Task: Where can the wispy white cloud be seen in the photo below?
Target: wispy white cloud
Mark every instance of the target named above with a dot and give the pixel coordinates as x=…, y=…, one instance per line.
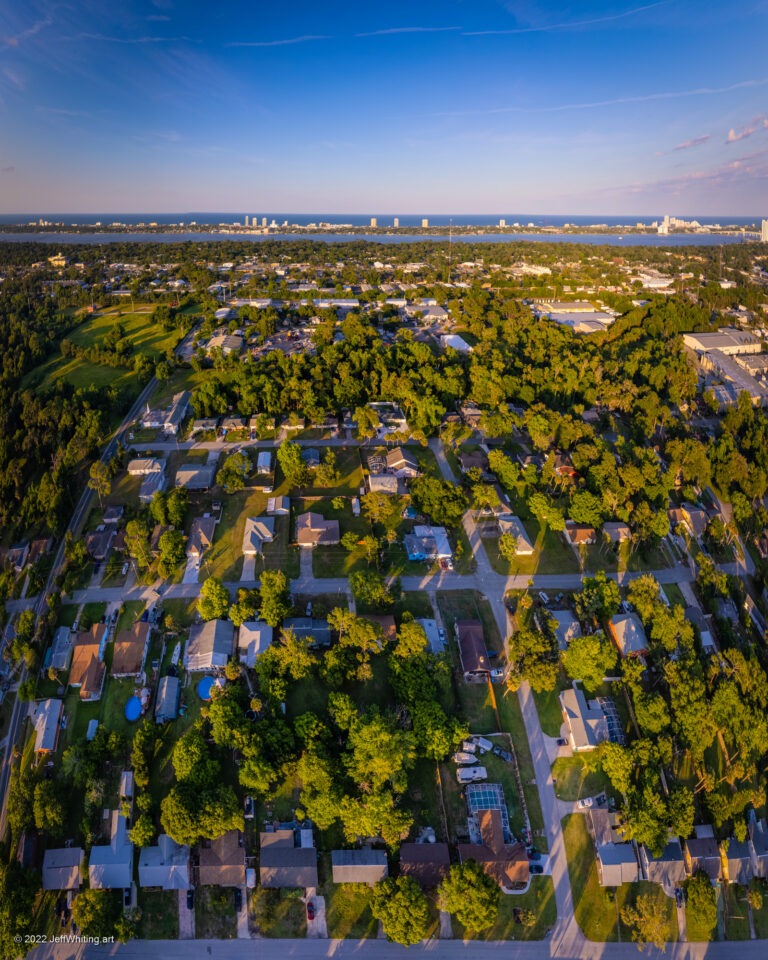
x=759, y=123
x=568, y=25
x=391, y=30
x=640, y=98
x=695, y=142
x=37, y=26
x=61, y=111
x=750, y=167
x=13, y=78
x=129, y=40
x=276, y=43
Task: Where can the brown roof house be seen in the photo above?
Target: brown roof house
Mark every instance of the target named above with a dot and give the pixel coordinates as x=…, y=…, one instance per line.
x=477, y=460
x=87, y=670
x=387, y=623
x=61, y=868
x=580, y=533
x=628, y=635
x=313, y=530
x=284, y=864
x=201, y=536
x=506, y=863
x=429, y=863
x=222, y=861
x=130, y=651
x=474, y=656
x=98, y=543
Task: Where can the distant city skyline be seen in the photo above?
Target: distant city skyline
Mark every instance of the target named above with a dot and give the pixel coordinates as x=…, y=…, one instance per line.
x=424, y=110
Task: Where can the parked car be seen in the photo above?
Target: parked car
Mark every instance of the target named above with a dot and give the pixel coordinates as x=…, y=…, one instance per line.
x=145, y=616
x=585, y=803
x=441, y=634
x=678, y=896
x=562, y=742
x=238, y=899
x=536, y=868
x=127, y=897
x=534, y=855
x=248, y=808
x=125, y=568
x=504, y=755
x=497, y=673
x=190, y=898
x=310, y=911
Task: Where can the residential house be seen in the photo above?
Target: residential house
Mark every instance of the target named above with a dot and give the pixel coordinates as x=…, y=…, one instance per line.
x=420, y=548
x=48, y=714
x=195, y=476
x=98, y=543
x=696, y=617
x=283, y=863
x=278, y=506
x=318, y=631
x=377, y=463
x=758, y=844
x=761, y=543
x=154, y=539
x=616, y=532
x=165, y=866
x=113, y=514
x=668, y=869
x=201, y=536
x=471, y=414
x=170, y=418
x=264, y=462
x=696, y=519
x=703, y=853
x=428, y=863
x=253, y=638
x=257, y=532
x=87, y=670
x=222, y=861
x=227, y=343
x=402, y=463
x=738, y=861
x=314, y=530
x=130, y=650
x=506, y=863
x=111, y=865
x=203, y=425
x=210, y=645
x=144, y=466
x=383, y=483
x=62, y=868
x=564, y=465
x=311, y=456
x=39, y=548
x=151, y=484
x=507, y=523
x=580, y=534
x=359, y=866
x=61, y=651
x=16, y=556
x=567, y=627
x=477, y=460
x=586, y=722
x=628, y=635
x=439, y=535
x=430, y=628
x=386, y=623
x=616, y=858
x=472, y=650
x=167, y=704
x=232, y=423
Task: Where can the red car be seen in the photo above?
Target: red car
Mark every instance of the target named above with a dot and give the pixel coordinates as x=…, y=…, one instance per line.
x=310, y=911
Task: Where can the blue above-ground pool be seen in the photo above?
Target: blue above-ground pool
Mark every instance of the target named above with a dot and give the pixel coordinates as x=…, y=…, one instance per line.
x=204, y=688
x=133, y=709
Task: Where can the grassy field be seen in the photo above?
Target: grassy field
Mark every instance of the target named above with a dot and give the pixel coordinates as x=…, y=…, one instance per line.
x=573, y=779
x=159, y=915
x=131, y=611
x=146, y=338
x=215, y=914
x=539, y=898
x=279, y=913
x=760, y=917
x=696, y=929
x=548, y=706
x=550, y=554
x=736, y=913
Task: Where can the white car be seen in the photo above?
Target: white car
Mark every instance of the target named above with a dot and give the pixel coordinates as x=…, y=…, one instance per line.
x=585, y=803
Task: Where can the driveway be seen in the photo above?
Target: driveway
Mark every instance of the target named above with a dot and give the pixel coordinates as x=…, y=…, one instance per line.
x=191, y=570
x=316, y=928
x=186, y=918
x=243, y=931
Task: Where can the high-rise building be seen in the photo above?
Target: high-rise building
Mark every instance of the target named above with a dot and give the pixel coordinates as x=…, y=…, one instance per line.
x=502, y=223
x=246, y=219
x=374, y=222
x=425, y=222
x=396, y=222
x=764, y=232
x=263, y=221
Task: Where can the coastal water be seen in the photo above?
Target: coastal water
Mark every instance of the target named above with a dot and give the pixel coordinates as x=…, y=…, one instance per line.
x=607, y=239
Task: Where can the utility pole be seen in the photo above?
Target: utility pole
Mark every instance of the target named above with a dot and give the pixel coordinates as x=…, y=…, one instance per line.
x=450, y=248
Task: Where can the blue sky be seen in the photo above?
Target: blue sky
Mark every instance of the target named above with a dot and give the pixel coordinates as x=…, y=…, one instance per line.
x=459, y=106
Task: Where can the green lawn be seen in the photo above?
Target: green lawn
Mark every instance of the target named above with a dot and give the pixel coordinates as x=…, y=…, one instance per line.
x=627, y=896
x=279, y=913
x=225, y=558
x=736, y=912
x=760, y=917
x=594, y=909
x=335, y=561
x=215, y=917
x=92, y=613
x=548, y=706
x=696, y=929
x=182, y=610
x=573, y=779
x=347, y=911
x=539, y=898
x=550, y=553
x=348, y=467
x=68, y=614
x=130, y=612
x=159, y=915
x=674, y=594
